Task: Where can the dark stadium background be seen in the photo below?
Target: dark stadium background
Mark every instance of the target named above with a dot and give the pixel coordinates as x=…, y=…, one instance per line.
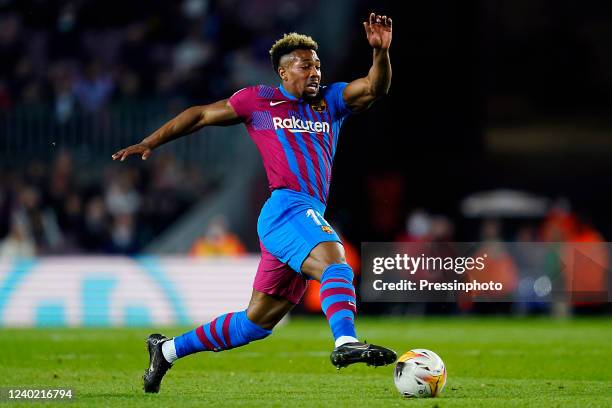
x=463, y=71
x=486, y=95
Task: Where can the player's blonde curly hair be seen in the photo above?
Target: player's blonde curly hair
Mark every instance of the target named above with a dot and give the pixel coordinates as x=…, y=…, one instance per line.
x=289, y=43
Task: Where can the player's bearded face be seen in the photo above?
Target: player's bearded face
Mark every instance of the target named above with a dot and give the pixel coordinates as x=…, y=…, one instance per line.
x=303, y=73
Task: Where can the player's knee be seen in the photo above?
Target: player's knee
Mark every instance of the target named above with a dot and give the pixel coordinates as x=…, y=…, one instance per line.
x=265, y=321
x=330, y=253
x=266, y=310
x=333, y=259
x=322, y=257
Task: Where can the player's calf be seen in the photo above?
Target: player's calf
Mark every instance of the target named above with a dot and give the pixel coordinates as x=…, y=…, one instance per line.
x=338, y=302
x=223, y=333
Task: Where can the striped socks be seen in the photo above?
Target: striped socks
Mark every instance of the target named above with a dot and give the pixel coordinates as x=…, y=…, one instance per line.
x=235, y=329
x=338, y=302
x=223, y=333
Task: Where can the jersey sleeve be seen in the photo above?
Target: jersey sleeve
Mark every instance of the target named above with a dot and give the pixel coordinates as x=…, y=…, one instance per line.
x=243, y=102
x=336, y=102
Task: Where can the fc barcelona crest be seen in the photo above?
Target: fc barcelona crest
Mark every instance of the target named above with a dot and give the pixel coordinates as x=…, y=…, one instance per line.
x=319, y=106
x=327, y=229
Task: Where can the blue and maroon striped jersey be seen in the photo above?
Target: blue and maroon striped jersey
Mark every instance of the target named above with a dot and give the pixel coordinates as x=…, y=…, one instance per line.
x=297, y=138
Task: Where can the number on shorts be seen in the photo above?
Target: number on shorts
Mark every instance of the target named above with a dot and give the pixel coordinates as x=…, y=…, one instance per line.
x=316, y=217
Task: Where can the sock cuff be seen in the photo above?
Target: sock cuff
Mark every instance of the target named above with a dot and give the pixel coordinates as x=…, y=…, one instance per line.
x=169, y=351
x=338, y=271
x=252, y=327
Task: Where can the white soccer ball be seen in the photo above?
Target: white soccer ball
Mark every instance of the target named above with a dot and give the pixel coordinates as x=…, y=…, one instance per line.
x=420, y=373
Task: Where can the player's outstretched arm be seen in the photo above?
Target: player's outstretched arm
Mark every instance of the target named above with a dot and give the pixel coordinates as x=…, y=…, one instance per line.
x=219, y=113
x=361, y=93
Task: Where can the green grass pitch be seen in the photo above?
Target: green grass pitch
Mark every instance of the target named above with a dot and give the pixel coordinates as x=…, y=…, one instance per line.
x=490, y=362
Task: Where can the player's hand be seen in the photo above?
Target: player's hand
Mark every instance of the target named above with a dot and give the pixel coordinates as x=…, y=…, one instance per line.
x=140, y=148
x=378, y=31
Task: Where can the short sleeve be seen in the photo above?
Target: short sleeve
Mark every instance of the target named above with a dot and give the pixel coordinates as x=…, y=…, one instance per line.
x=335, y=100
x=243, y=102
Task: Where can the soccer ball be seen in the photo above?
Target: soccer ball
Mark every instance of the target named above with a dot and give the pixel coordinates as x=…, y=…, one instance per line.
x=420, y=373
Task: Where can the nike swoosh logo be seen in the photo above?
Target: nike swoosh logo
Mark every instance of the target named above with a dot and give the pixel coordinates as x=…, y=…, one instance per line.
x=276, y=103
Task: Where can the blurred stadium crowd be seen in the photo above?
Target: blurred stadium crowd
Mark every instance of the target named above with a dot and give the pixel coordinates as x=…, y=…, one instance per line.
x=49, y=208
x=79, y=60
x=83, y=55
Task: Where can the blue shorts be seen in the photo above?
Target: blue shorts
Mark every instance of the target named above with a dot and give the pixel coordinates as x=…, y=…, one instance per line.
x=291, y=224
